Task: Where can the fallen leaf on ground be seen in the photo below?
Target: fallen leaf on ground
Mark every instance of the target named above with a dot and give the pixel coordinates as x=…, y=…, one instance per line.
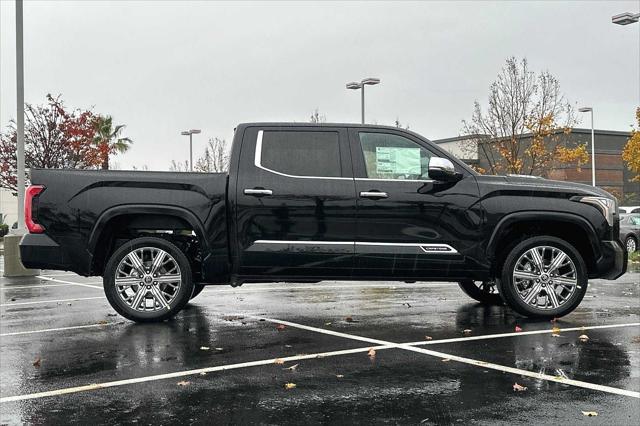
x=590, y=413
x=37, y=362
x=203, y=374
x=372, y=353
x=327, y=323
x=518, y=328
x=428, y=338
x=445, y=359
x=204, y=348
x=292, y=368
x=289, y=386
x=103, y=322
x=635, y=339
x=408, y=305
x=112, y=315
x=584, y=338
x=466, y=332
x=280, y=327
x=519, y=388
x=279, y=361
x=183, y=383
x=349, y=319
x=556, y=330
x=339, y=376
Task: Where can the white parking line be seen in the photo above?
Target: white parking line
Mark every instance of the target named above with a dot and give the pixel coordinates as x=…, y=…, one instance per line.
x=477, y=363
x=379, y=347
x=48, y=330
x=520, y=333
x=38, y=302
x=96, y=386
x=23, y=287
x=71, y=282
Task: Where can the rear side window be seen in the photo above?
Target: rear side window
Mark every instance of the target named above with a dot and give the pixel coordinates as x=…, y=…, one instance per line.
x=301, y=153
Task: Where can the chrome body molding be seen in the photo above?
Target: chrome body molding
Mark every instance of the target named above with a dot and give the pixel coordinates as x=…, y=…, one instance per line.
x=351, y=247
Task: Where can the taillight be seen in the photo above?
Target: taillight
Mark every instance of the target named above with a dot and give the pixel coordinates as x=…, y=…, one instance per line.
x=29, y=195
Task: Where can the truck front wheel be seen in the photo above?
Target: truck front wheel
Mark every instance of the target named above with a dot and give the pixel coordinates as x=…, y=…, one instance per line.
x=148, y=280
x=543, y=277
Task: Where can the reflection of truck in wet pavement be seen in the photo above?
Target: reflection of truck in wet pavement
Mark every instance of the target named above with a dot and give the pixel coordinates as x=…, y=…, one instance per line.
x=308, y=202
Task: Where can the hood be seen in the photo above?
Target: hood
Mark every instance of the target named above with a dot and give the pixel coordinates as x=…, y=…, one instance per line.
x=532, y=183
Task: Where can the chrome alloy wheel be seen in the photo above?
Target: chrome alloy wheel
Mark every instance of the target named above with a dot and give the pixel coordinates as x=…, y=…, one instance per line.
x=631, y=245
x=148, y=279
x=545, y=277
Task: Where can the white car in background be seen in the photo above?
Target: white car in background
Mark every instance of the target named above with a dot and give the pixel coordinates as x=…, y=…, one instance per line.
x=629, y=209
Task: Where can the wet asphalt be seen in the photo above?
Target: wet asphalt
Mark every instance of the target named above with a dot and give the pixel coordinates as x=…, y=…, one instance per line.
x=60, y=335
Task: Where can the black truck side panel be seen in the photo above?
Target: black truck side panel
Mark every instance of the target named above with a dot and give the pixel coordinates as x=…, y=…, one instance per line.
x=77, y=204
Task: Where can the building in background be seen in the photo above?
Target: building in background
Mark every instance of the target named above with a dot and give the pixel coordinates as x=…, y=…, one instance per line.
x=8, y=206
x=611, y=172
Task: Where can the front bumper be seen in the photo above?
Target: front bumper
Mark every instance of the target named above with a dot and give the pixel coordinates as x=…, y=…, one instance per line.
x=38, y=251
x=613, y=262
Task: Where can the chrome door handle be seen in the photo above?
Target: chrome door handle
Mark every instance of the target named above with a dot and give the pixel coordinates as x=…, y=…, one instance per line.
x=258, y=192
x=374, y=194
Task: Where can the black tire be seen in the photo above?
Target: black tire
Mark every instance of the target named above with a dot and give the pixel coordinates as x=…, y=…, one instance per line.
x=483, y=291
x=515, y=300
x=179, y=298
x=631, y=244
x=197, y=289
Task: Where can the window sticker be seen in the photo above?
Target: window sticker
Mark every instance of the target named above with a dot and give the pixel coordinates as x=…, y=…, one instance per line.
x=404, y=161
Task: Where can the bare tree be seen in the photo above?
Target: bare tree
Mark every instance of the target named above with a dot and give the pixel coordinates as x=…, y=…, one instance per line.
x=179, y=166
x=215, y=158
x=316, y=117
x=521, y=103
x=399, y=125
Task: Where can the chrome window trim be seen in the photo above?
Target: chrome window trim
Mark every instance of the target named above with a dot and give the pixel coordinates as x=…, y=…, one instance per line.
x=257, y=161
x=350, y=243
x=397, y=180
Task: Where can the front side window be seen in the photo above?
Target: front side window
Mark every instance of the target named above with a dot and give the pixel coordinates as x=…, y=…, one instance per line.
x=301, y=153
x=389, y=156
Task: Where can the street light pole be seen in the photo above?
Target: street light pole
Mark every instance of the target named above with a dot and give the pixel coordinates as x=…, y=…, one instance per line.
x=354, y=85
x=190, y=133
x=20, y=114
x=593, y=146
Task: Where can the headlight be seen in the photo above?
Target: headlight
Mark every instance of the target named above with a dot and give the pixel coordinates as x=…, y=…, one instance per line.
x=607, y=206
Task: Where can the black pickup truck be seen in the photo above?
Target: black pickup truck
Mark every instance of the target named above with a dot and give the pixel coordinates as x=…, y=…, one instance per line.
x=309, y=202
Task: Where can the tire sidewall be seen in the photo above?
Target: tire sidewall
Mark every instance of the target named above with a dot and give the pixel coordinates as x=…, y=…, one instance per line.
x=509, y=293
x=181, y=299
x=471, y=289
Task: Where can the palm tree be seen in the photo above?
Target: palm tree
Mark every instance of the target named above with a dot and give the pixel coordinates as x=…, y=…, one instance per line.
x=108, y=139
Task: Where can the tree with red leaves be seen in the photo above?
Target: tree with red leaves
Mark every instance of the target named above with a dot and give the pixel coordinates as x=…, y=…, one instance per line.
x=54, y=138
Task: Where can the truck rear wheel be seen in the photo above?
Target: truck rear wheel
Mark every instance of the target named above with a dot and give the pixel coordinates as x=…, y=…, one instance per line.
x=483, y=291
x=543, y=277
x=148, y=280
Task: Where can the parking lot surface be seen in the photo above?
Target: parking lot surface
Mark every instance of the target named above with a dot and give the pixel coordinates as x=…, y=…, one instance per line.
x=332, y=352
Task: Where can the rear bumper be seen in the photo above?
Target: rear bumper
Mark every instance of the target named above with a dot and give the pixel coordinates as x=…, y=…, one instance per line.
x=38, y=251
x=613, y=262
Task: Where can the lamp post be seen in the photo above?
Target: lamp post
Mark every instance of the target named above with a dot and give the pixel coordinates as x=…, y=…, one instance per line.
x=593, y=146
x=625, y=18
x=354, y=85
x=20, y=115
x=190, y=133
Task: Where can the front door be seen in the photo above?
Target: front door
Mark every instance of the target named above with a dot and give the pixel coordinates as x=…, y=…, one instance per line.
x=409, y=226
x=295, y=203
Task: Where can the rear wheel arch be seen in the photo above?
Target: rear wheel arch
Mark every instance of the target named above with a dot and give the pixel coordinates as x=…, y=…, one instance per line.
x=127, y=221
x=518, y=226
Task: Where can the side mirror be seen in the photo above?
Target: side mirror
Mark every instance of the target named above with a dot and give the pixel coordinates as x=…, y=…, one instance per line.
x=442, y=169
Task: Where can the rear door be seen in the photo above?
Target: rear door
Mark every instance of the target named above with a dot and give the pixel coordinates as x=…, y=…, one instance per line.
x=408, y=224
x=295, y=202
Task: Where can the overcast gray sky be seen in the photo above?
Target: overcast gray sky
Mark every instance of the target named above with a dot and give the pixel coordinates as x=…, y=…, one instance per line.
x=163, y=67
